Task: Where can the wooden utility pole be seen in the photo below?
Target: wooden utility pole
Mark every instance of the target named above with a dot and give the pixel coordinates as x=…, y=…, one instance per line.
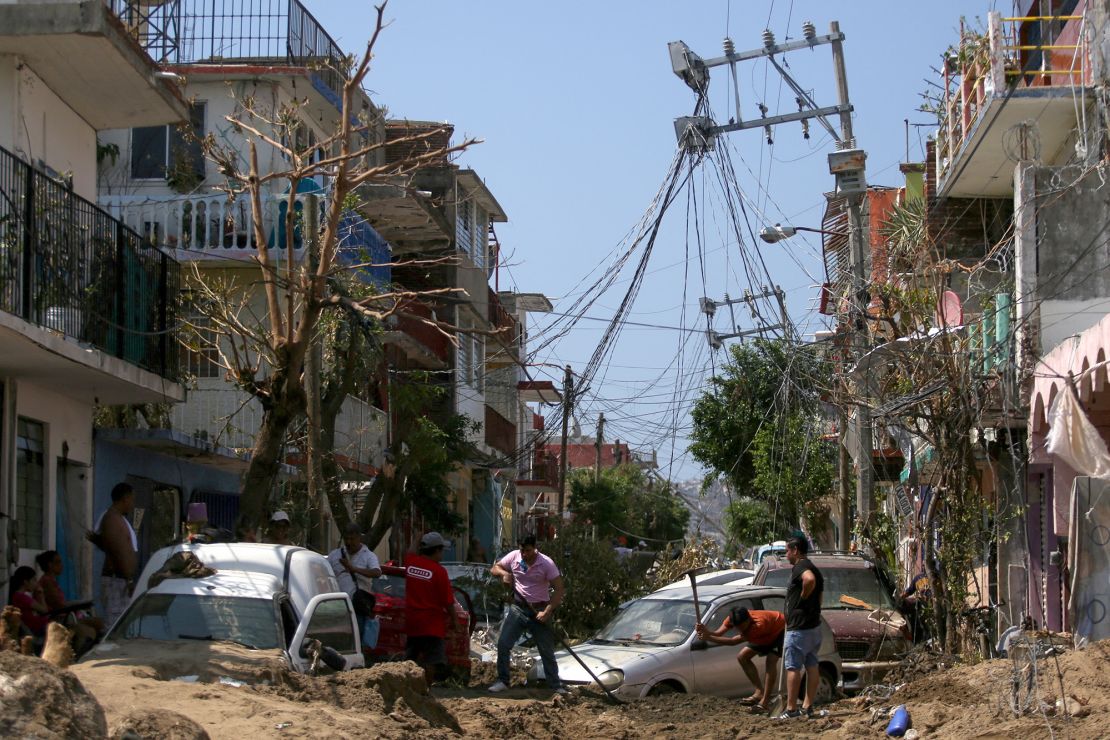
x=568, y=408
x=597, y=447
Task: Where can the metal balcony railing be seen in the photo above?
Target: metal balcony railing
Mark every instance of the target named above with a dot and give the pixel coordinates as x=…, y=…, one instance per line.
x=68, y=266
x=1019, y=52
x=234, y=32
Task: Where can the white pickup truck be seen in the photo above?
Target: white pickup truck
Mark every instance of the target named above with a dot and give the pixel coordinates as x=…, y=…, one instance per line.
x=263, y=597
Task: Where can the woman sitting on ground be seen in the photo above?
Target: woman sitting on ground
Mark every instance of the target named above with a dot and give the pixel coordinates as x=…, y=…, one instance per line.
x=88, y=628
x=27, y=595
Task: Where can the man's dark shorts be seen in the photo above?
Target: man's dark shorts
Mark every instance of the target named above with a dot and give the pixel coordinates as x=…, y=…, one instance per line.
x=426, y=650
x=774, y=648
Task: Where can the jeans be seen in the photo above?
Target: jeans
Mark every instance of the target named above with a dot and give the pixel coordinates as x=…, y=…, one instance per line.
x=516, y=623
x=800, y=648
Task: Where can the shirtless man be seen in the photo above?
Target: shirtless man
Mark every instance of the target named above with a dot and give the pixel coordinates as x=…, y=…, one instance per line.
x=116, y=537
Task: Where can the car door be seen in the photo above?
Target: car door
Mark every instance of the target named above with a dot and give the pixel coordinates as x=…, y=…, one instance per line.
x=329, y=618
x=715, y=668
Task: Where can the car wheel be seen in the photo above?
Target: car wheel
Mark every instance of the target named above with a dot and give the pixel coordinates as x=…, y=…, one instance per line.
x=664, y=688
x=826, y=686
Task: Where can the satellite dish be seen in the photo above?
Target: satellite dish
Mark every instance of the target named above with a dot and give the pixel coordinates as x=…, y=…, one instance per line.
x=950, y=310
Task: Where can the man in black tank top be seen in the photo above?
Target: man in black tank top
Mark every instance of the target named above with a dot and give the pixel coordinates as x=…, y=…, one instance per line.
x=803, y=628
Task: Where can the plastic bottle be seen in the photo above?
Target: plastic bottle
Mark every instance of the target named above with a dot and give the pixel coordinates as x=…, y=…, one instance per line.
x=899, y=722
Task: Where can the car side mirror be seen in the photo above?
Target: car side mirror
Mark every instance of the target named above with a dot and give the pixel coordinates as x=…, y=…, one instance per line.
x=699, y=645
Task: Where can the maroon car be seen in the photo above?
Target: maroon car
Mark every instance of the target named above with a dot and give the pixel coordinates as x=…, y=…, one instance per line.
x=389, y=590
x=867, y=648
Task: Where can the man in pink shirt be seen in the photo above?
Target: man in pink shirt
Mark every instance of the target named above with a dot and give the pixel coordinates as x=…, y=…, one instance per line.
x=537, y=592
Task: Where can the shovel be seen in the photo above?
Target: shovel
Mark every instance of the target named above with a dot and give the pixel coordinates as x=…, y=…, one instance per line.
x=532, y=616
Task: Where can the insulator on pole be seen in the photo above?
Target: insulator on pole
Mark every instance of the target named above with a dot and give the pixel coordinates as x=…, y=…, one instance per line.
x=768, y=38
x=809, y=31
x=730, y=48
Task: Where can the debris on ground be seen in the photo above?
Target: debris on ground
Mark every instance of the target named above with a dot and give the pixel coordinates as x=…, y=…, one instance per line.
x=157, y=724
x=40, y=700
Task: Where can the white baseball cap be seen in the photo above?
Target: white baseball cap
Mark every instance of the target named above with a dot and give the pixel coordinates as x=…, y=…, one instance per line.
x=279, y=516
x=432, y=539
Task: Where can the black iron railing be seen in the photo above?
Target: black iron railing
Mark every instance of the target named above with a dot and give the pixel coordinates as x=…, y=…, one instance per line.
x=68, y=266
x=234, y=32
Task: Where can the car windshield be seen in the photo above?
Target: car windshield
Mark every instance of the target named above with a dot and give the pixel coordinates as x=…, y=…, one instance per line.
x=650, y=622
x=858, y=583
x=249, y=622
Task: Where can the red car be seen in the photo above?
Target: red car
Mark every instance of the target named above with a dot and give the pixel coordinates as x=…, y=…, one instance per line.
x=389, y=590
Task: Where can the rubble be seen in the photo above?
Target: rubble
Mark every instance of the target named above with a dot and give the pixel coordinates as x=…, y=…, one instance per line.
x=40, y=700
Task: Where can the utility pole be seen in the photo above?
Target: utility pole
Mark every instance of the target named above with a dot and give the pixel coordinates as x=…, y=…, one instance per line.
x=858, y=259
x=597, y=447
x=568, y=408
x=847, y=164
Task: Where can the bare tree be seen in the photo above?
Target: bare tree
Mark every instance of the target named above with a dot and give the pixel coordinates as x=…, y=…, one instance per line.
x=265, y=355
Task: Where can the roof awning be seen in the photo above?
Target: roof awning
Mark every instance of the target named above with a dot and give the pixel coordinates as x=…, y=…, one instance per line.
x=538, y=391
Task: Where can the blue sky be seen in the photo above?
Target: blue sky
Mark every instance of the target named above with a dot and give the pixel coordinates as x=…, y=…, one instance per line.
x=575, y=103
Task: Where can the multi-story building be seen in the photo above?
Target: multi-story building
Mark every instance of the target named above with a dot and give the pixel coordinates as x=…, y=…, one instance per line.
x=441, y=219
x=87, y=304
x=1012, y=206
x=274, y=59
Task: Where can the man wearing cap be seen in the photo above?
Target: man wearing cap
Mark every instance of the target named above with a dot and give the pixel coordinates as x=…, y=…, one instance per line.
x=537, y=592
x=761, y=633
x=278, y=531
x=429, y=607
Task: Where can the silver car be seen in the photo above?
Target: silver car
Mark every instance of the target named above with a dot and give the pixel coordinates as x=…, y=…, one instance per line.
x=650, y=647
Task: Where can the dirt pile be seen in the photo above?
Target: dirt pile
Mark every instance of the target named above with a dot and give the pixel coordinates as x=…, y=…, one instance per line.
x=40, y=700
x=396, y=690
x=157, y=724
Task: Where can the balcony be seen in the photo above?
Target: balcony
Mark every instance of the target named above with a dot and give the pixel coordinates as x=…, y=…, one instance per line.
x=58, y=40
x=541, y=476
x=214, y=228
x=228, y=417
x=70, y=268
x=260, y=33
x=1023, y=69
x=421, y=342
x=500, y=432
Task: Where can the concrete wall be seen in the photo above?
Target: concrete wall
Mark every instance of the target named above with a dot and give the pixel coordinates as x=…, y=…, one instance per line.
x=38, y=125
x=67, y=429
x=1073, y=249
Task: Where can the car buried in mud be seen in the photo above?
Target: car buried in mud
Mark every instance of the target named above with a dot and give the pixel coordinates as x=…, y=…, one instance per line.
x=650, y=648
x=273, y=599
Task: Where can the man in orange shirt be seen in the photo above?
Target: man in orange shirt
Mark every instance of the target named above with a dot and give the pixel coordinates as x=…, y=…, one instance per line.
x=761, y=633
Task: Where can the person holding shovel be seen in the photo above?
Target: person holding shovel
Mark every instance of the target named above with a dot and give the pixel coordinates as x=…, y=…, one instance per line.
x=761, y=633
x=537, y=592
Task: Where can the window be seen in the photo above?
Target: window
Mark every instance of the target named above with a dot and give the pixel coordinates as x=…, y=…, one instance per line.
x=651, y=622
x=165, y=152
x=247, y=621
x=331, y=625
x=481, y=228
x=465, y=363
x=721, y=614
x=200, y=357
x=30, y=475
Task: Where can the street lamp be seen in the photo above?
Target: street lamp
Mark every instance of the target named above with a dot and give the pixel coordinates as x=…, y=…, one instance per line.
x=778, y=232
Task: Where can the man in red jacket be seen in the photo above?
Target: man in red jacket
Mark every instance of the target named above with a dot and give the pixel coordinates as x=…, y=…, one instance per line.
x=429, y=606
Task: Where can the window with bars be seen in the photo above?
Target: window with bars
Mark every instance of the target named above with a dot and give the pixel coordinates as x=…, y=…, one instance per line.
x=30, y=477
x=481, y=231
x=465, y=363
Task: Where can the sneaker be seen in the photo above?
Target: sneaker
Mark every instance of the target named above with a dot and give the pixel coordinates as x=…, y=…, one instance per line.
x=788, y=714
x=498, y=687
x=561, y=690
